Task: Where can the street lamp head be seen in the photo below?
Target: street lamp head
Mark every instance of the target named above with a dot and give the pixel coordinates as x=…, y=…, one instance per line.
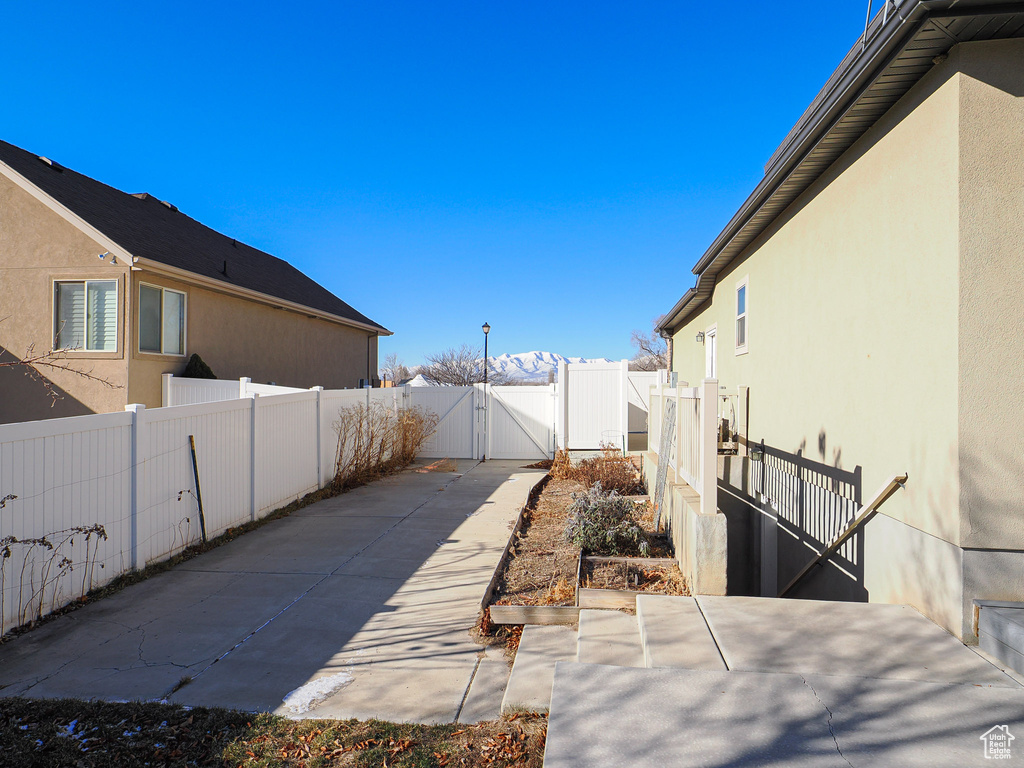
x=487, y=329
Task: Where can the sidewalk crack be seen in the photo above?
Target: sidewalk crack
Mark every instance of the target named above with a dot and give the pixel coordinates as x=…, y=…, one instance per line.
x=831, y=730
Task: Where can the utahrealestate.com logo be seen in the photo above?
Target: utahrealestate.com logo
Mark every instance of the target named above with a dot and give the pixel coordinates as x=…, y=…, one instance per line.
x=997, y=742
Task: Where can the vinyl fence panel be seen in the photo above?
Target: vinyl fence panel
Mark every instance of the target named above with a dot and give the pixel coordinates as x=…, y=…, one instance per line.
x=287, y=452
x=178, y=390
x=521, y=422
x=66, y=474
x=456, y=436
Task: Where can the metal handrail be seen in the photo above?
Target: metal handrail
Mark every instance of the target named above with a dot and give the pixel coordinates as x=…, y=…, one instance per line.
x=868, y=511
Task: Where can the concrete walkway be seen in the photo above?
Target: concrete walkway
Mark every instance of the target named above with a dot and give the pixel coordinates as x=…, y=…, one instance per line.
x=358, y=606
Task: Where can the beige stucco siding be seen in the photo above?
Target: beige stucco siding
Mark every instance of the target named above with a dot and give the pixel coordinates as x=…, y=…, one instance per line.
x=238, y=337
x=852, y=313
x=992, y=295
x=38, y=247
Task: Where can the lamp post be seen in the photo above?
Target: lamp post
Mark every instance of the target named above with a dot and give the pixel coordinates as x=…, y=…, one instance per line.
x=487, y=330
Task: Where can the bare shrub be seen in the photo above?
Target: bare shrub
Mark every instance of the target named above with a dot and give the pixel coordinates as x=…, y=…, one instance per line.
x=611, y=469
x=377, y=440
x=605, y=523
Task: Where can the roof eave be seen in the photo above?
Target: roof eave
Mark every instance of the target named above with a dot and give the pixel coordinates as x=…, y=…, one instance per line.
x=886, y=38
x=185, y=275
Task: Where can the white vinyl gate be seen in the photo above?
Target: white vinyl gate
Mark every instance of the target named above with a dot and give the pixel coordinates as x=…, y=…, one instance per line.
x=509, y=423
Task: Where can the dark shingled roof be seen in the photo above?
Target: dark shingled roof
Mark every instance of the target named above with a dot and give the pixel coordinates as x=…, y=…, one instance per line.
x=149, y=229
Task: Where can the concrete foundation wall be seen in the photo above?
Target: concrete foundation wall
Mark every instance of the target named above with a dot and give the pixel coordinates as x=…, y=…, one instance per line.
x=700, y=541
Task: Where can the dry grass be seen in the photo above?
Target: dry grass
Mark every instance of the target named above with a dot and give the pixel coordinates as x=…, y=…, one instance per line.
x=68, y=732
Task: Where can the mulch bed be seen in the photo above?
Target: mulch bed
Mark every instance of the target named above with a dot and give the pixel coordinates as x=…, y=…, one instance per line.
x=541, y=569
x=659, y=579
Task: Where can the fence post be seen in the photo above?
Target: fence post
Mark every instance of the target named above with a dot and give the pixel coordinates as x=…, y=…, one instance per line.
x=562, y=410
x=624, y=404
x=709, y=447
x=243, y=387
x=136, y=462
x=319, y=437
x=253, y=502
x=680, y=458
x=165, y=389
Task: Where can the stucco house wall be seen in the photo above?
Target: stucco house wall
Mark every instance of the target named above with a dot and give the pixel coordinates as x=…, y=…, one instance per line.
x=238, y=337
x=879, y=336
x=237, y=329
x=38, y=247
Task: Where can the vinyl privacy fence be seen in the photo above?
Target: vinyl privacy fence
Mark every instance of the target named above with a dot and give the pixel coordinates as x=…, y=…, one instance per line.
x=86, y=499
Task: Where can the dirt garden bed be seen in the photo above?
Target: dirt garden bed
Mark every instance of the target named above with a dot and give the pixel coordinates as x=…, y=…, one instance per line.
x=545, y=569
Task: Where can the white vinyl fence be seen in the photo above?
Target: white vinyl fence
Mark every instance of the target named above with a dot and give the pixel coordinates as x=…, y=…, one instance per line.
x=516, y=422
x=88, y=498
x=85, y=499
x=692, y=444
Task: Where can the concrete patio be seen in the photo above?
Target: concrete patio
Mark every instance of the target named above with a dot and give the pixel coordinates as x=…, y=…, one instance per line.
x=358, y=606
x=746, y=681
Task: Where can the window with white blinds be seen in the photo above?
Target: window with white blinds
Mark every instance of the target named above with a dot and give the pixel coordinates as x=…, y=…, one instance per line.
x=161, y=320
x=85, y=315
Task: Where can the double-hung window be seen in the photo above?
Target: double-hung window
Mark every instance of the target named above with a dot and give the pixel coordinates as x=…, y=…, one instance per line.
x=741, y=316
x=161, y=320
x=85, y=315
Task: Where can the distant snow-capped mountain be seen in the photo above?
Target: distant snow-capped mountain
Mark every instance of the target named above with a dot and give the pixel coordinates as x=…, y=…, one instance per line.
x=534, y=366
x=525, y=367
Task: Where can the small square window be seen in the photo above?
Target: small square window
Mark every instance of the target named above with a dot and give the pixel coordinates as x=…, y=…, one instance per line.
x=161, y=320
x=85, y=315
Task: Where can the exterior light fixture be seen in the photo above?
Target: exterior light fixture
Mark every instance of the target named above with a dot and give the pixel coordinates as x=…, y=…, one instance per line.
x=756, y=451
x=700, y=337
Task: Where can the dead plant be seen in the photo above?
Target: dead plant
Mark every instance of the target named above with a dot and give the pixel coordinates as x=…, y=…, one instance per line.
x=614, y=471
x=377, y=440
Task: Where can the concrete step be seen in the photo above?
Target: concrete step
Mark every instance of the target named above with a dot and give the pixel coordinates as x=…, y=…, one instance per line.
x=673, y=633
x=1001, y=632
x=540, y=648
x=609, y=637
x=651, y=718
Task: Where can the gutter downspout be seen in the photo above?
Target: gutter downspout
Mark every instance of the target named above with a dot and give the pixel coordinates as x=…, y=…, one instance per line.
x=669, y=342
x=369, y=374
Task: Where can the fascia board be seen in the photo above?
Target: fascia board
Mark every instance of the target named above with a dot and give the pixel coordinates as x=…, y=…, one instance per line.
x=156, y=267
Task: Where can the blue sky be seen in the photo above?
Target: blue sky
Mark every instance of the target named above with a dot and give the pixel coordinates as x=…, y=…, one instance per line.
x=437, y=164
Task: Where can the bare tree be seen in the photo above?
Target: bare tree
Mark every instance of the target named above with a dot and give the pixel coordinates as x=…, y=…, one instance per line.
x=651, y=350
x=36, y=364
x=460, y=367
x=394, y=369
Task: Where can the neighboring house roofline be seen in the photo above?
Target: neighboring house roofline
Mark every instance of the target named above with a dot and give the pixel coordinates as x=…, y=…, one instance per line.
x=136, y=262
x=900, y=45
x=65, y=213
x=158, y=267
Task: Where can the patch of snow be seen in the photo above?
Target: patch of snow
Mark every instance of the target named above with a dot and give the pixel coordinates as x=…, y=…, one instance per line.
x=307, y=696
